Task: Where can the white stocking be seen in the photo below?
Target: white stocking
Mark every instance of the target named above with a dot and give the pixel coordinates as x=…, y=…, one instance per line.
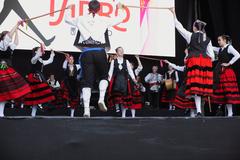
x=2, y=106
x=86, y=93
x=34, y=111
x=133, y=111
x=72, y=112
x=198, y=103
x=230, y=110
x=124, y=112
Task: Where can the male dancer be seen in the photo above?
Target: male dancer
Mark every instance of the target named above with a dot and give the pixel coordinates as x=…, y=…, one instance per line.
x=93, y=41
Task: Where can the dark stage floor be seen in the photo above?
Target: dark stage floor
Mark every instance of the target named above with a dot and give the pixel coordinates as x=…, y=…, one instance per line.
x=61, y=138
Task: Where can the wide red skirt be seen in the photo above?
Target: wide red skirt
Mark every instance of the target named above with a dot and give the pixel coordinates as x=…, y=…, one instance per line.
x=12, y=85
x=227, y=91
x=184, y=103
x=41, y=92
x=72, y=102
x=199, y=76
x=168, y=96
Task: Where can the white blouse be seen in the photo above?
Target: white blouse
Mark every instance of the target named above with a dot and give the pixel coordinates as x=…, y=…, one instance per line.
x=7, y=42
x=94, y=27
x=231, y=50
x=120, y=62
x=187, y=36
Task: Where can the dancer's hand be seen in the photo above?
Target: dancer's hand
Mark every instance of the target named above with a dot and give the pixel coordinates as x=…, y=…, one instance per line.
x=166, y=61
x=225, y=64
x=20, y=23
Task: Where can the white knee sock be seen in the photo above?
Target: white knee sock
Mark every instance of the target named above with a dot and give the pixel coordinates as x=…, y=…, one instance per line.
x=102, y=90
x=230, y=110
x=72, y=112
x=34, y=111
x=198, y=103
x=124, y=112
x=170, y=106
x=117, y=108
x=86, y=93
x=2, y=106
x=133, y=111
x=192, y=113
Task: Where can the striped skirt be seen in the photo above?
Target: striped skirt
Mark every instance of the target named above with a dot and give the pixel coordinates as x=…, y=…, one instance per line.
x=199, y=76
x=227, y=91
x=41, y=92
x=12, y=85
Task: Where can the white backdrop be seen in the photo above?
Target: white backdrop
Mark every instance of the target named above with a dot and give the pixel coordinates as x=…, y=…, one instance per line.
x=147, y=32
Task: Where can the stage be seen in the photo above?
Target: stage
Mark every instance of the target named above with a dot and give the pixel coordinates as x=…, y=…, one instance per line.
x=61, y=138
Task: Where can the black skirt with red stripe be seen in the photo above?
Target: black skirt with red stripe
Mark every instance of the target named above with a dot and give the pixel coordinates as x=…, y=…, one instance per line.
x=137, y=102
x=12, y=85
x=181, y=101
x=73, y=101
x=226, y=91
x=168, y=96
x=41, y=91
x=118, y=97
x=59, y=101
x=199, y=76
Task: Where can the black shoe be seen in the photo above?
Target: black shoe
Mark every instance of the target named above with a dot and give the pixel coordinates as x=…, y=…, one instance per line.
x=199, y=115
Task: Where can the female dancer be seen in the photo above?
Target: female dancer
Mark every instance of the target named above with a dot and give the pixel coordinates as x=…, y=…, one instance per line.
x=199, y=77
x=12, y=85
x=70, y=85
x=226, y=90
x=41, y=91
x=120, y=91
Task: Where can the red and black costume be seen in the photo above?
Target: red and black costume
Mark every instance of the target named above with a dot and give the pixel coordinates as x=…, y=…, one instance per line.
x=70, y=86
x=121, y=88
x=226, y=89
x=41, y=91
x=12, y=85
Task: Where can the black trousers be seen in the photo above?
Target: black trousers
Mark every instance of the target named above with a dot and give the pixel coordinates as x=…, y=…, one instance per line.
x=154, y=99
x=94, y=65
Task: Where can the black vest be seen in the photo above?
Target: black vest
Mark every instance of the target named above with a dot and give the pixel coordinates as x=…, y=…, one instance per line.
x=93, y=44
x=120, y=78
x=37, y=68
x=6, y=56
x=197, y=46
x=223, y=56
x=172, y=76
x=71, y=81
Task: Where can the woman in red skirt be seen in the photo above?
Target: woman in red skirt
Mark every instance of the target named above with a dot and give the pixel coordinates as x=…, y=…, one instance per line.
x=226, y=90
x=168, y=96
x=12, y=85
x=181, y=101
x=70, y=84
x=120, y=89
x=41, y=91
x=199, y=75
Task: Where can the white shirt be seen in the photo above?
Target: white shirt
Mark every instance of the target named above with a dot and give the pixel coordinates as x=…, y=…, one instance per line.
x=231, y=50
x=71, y=67
x=120, y=62
x=94, y=27
x=152, y=78
x=7, y=42
x=138, y=70
x=37, y=58
x=170, y=73
x=178, y=68
x=53, y=85
x=187, y=36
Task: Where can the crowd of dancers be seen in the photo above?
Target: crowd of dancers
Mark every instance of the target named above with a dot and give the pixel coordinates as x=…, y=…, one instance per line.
x=118, y=77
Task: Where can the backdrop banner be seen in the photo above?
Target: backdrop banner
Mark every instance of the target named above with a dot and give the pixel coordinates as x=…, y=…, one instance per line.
x=144, y=31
